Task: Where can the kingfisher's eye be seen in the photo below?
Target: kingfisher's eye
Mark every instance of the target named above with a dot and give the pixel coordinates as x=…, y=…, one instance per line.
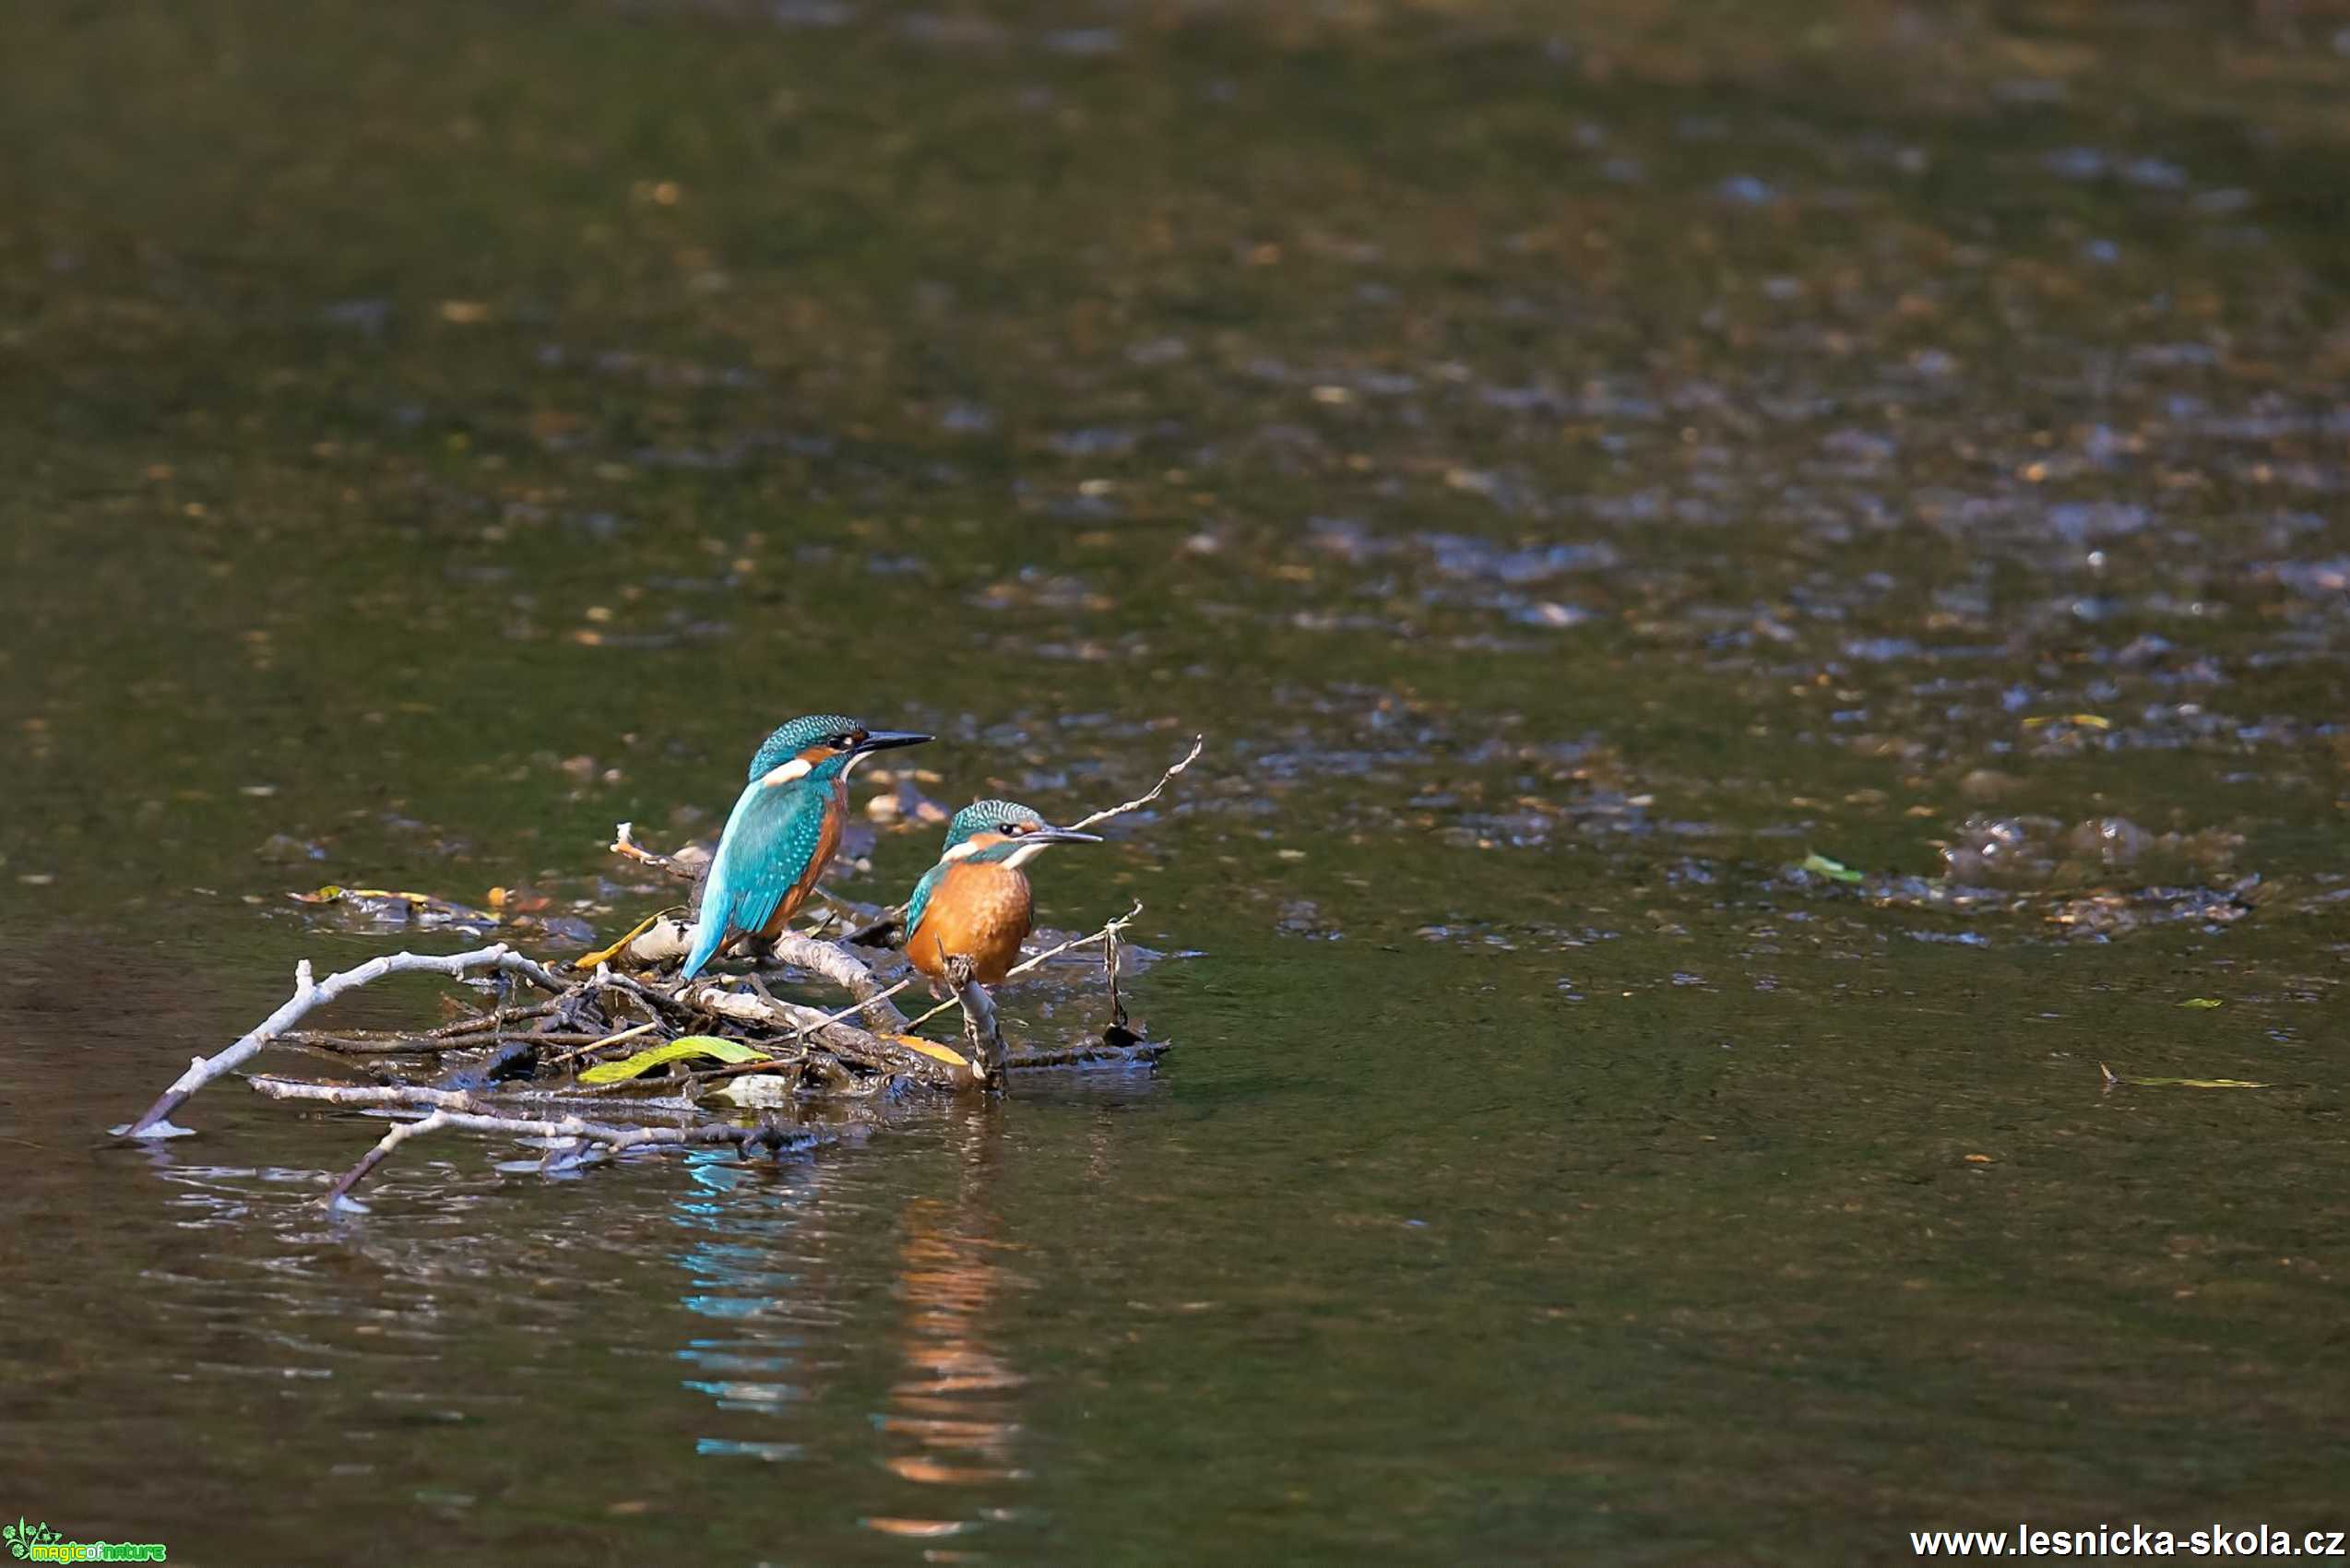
x=1015, y=829
x=845, y=741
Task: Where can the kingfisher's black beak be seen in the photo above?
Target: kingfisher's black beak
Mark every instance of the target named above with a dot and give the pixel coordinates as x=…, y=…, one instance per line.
x=1058, y=836
x=885, y=740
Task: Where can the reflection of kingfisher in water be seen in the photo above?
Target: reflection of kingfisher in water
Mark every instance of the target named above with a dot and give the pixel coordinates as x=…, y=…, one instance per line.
x=783, y=830
x=954, y=1416
x=976, y=903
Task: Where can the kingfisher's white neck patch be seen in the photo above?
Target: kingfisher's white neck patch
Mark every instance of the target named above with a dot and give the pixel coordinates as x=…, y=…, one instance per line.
x=962, y=851
x=798, y=767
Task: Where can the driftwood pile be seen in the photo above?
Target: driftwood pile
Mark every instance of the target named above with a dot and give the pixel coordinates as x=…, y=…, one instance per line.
x=606, y=1055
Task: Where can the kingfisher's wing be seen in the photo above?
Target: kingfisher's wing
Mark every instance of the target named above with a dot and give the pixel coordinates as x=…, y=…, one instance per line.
x=770, y=837
x=922, y=899
x=769, y=848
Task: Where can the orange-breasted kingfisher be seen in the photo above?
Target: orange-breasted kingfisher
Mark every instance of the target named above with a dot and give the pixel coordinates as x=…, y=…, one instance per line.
x=976, y=902
x=783, y=830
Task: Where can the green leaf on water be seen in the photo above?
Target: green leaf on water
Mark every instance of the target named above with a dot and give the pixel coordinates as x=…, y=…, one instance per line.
x=2201, y=1001
x=676, y=1049
x=2113, y=1078
x=1818, y=865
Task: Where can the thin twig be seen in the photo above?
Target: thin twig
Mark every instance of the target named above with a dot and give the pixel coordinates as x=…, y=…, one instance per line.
x=805, y=1030
x=493, y=1021
x=602, y=1041
x=843, y=968
x=310, y=993
x=1142, y=800
x=386, y=1044
x=624, y=843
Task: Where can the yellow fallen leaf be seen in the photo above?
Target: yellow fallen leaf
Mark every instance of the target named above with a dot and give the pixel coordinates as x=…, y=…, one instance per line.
x=331, y=892
x=606, y=955
x=933, y=1049
x=2113, y=1078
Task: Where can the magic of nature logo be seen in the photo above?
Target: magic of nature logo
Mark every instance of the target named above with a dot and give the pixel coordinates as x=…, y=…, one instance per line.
x=38, y=1543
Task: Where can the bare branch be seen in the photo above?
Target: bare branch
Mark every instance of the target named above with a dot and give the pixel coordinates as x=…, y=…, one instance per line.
x=310, y=993
x=843, y=968
x=415, y=1097
x=1147, y=797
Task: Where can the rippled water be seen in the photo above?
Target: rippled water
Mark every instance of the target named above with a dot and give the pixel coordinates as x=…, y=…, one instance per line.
x=1766, y=588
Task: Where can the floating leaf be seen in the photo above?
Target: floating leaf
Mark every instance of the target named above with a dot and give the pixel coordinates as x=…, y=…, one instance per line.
x=2085, y=721
x=1834, y=871
x=676, y=1049
x=2201, y=1001
x=606, y=955
x=331, y=894
x=2113, y=1078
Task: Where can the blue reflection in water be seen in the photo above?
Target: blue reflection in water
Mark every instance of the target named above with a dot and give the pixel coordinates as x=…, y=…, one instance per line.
x=756, y=1266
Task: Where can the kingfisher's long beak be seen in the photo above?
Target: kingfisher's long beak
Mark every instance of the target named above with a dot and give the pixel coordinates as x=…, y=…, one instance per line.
x=885, y=740
x=1058, y=836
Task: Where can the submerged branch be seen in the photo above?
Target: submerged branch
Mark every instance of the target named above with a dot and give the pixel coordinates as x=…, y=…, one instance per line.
x=572, y=1129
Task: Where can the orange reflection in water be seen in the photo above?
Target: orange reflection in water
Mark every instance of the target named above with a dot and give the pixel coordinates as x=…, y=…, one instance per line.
x=953, y=1419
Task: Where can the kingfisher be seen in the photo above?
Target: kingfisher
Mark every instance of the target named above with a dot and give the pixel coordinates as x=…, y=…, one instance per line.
x=976, y=902
x=783, y=830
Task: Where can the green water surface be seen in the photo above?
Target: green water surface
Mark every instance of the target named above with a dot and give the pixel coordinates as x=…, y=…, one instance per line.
x=1573, y=464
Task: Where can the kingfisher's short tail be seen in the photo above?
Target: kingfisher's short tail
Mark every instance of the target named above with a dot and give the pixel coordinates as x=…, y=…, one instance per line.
x=708, y=937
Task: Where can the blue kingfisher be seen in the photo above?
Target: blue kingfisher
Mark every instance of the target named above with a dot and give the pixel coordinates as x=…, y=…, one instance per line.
x=783, y=830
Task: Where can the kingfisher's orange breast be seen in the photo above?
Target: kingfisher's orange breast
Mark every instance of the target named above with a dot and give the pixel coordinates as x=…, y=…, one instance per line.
x=978, y=910
x=827, y=843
